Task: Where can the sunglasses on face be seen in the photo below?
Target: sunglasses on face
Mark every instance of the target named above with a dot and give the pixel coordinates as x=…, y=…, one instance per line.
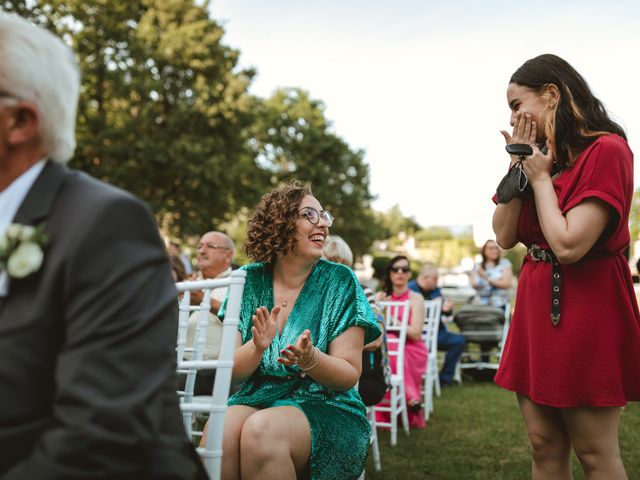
x=400, y=269
x=314, y=216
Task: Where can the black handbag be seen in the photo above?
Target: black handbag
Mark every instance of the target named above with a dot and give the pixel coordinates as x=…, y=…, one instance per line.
x=515, y=182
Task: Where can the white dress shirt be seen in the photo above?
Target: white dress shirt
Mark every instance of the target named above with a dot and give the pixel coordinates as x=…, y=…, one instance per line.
x=10, y=200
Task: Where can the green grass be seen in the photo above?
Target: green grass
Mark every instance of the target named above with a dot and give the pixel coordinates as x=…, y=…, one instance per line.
x=476, y=433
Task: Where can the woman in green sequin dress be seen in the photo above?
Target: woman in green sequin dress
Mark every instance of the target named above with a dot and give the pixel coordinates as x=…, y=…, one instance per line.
x=303, y=323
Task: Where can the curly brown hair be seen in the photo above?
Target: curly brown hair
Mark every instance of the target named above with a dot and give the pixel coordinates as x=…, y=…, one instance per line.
x=272, y=230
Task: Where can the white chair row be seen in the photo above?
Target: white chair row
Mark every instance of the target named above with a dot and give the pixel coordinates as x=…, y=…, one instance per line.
x=214, y=405
x=396, y=318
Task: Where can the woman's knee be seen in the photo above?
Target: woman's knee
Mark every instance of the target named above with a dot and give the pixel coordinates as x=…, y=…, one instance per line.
x=593, y=456
x=233, y=424
x=548, y=448
x=260, y=440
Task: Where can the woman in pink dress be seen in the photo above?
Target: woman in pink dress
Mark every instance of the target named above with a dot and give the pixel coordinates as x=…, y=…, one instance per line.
x=573, y=350
x=396, y=288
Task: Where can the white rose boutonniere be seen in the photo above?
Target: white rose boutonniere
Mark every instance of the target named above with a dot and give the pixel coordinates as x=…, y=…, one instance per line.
x=21, y=250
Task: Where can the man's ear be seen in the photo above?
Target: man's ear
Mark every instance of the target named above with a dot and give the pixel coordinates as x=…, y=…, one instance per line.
x=24, y=124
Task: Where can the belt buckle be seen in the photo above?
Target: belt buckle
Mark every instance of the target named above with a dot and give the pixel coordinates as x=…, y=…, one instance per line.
x=534, y=251
x=538, y=254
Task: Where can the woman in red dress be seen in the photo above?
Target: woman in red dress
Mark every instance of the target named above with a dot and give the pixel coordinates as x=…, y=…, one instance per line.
x=573, y=349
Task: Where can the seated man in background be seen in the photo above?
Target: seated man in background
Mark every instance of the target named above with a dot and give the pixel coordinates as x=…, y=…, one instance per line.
x=215, y=253
x=453, y=344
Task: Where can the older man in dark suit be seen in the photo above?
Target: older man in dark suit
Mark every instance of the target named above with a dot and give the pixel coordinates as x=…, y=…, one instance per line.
x=87, y=307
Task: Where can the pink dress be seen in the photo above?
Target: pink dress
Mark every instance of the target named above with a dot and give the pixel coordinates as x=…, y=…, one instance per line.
x=415, y=366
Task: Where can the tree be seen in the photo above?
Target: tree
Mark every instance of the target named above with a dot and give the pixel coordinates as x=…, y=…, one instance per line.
x=394, y=221
x=164, y=112
x=292, y=140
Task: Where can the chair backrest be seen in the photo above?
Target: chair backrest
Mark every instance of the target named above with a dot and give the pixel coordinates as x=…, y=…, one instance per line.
x=482, y=323
x=396, y=315
x=216, y=405
x=432, y=311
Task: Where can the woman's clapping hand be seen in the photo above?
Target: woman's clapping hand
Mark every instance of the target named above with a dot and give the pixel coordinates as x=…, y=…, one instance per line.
x=264, y=327
x=301, y=353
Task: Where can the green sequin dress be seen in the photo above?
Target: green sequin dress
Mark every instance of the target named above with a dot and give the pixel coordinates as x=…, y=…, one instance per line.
x=330, y=302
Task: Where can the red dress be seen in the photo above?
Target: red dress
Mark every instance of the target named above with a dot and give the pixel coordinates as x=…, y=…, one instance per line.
x=592, y=358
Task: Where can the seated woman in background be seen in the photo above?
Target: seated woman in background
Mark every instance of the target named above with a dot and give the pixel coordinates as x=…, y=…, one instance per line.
x=376, y=373
x=396, y=288
x=493, y=277
x=178, y=272
x=303, y=322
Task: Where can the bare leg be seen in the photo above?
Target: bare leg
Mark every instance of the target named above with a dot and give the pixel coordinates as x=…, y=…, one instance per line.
x=594, y=434
x=550, y=442
x=233, y=422
x=275, y=444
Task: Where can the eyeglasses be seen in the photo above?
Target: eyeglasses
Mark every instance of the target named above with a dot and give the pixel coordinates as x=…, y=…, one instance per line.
x=400, y=269
x=212, y=246
x=314, y=216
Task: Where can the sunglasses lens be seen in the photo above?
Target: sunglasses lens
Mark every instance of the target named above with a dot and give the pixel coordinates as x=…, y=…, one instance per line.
x=400, y=269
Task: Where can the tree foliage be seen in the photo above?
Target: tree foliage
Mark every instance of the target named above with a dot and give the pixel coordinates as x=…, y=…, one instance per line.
x=292, y=139
x=165, y=113
x=394, y=222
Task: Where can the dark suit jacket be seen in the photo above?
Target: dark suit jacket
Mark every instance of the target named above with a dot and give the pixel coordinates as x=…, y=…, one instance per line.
x=87, y=362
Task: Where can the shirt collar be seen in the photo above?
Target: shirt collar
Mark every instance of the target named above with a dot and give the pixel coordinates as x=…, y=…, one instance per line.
x=12, y=197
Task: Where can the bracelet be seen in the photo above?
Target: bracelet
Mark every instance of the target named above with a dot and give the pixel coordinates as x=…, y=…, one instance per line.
x=315, y=359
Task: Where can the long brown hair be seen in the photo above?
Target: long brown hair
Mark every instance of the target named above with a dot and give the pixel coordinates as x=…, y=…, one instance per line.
x=578, y=118
x=483, y=252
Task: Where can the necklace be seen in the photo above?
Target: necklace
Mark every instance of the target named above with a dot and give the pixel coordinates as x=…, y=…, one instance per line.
x=291, y=294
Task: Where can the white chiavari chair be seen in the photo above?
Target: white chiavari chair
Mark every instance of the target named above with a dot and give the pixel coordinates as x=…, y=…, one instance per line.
x=431, y=381
x=215, y=405
x=396, y=321
x=373, y=441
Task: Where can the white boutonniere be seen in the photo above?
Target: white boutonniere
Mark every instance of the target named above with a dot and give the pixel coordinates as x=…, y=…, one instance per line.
x=21, y=250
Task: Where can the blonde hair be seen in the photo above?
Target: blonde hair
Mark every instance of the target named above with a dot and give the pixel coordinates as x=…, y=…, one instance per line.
x=337, y=250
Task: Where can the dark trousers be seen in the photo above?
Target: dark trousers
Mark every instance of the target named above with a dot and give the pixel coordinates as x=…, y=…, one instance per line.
x=204, y=382
x=453, y=344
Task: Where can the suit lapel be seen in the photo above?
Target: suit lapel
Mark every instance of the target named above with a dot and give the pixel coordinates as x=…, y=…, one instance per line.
x=39, y=201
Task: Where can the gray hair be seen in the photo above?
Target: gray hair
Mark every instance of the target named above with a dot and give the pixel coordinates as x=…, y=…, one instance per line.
x=428, y=270
x=337, y=250
x=226, y=239
x=39, y=68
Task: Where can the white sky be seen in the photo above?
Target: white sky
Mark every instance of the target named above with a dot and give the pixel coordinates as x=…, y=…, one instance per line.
x=421, y=85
